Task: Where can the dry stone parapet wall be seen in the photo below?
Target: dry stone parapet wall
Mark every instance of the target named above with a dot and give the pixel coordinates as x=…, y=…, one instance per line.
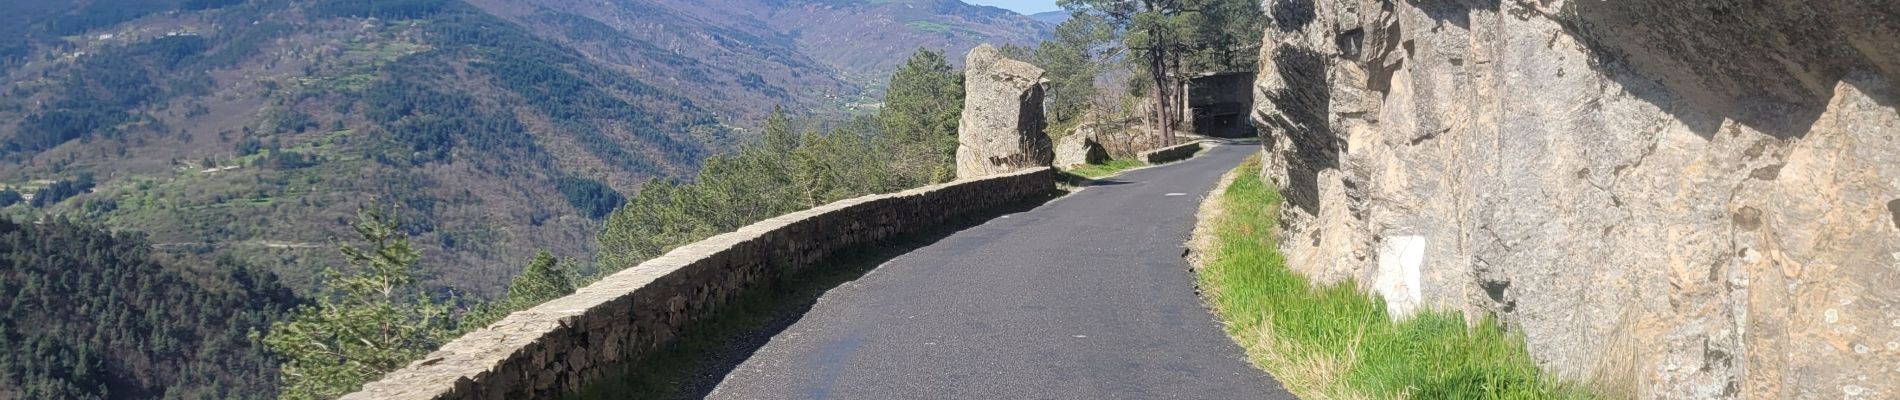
x=561, y=346
x=1171, y=153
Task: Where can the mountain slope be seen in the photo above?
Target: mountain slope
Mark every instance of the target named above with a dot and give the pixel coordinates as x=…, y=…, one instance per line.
x=1052, y=17
x=773, y=45
x=736, y=67
x=869, y=37
x=218, y=136
x=256, y=128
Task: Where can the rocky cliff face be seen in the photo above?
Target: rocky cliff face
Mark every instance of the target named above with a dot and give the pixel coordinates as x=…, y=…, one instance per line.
x=1683, y=199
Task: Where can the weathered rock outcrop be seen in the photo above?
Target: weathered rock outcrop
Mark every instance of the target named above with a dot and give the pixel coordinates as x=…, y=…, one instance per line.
x=1691, y=198
x=1079, y=149
x=1001, y=129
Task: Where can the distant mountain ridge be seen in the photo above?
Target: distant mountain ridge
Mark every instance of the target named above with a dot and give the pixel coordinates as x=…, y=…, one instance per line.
x=857, y=41
x=1052, y=18
x=859, y=36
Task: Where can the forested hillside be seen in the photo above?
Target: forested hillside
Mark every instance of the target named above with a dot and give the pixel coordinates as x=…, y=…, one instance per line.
x=89, y=314
x=255, y=128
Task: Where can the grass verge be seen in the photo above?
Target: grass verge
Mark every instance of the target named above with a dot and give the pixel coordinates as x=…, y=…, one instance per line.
x=1334, y=342
x=1093, y=171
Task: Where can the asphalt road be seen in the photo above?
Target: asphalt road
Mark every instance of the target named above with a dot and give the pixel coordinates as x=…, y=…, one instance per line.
x=1085, y=297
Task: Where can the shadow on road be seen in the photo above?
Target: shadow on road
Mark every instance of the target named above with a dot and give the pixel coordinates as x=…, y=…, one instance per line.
x=692, y=365
x=1247, y=141
x=1107, y=182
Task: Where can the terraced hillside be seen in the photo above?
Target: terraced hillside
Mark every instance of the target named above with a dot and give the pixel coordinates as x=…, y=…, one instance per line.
x=254, y=129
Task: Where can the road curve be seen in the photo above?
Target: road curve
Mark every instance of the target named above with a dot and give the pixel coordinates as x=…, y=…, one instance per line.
x=1086, y=297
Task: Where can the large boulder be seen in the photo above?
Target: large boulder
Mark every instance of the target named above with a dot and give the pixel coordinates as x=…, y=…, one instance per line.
x=1002, y=125
x=1688, y=199
x=1079, y=149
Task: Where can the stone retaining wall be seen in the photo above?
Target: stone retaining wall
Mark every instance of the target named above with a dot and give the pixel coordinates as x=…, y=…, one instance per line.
x=1171, y=153
x=561, y=346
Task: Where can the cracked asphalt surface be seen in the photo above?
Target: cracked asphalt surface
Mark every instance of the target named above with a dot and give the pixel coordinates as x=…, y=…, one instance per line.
x=1085, y=297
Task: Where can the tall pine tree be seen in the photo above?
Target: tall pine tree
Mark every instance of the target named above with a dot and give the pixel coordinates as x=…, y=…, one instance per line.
x=1170, y=39
x=371, y=320
x=919, y=118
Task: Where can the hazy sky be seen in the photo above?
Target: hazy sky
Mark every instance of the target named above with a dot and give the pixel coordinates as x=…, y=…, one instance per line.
x=1021, y=6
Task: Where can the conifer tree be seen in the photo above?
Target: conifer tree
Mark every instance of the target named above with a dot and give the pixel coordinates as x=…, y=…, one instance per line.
x=919, y=118
x=371, y=319
x=911, y=142
x=1072, y=60
x=545, y=278
x=1170, y=39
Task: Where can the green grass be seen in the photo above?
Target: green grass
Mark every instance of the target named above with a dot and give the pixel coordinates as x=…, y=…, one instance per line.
x=353, y=83
x=1094, y=171
x=929, y=26
x=1336, y=342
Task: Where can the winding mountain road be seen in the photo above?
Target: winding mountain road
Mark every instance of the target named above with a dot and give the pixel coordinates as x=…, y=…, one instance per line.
x=1085, y=297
